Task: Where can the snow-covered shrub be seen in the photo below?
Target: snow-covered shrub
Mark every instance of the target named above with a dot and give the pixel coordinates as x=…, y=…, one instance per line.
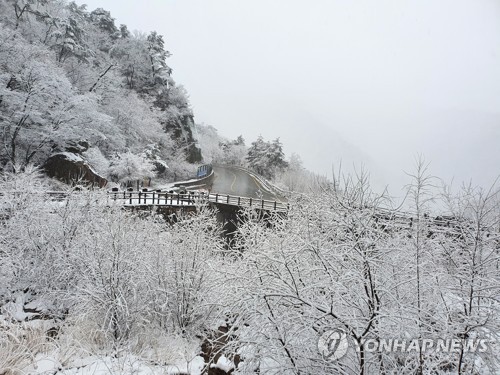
x=185, y=268
x=128, y=167
x=19, y=346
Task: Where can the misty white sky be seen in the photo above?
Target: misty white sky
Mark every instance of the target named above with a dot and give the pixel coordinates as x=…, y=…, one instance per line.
x=376, y=82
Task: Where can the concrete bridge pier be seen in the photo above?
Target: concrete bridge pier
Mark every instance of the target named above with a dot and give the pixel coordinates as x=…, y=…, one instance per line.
x=228, y=217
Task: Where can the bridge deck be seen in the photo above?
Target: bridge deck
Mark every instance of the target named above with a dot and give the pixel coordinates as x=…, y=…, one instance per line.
x=154, y=198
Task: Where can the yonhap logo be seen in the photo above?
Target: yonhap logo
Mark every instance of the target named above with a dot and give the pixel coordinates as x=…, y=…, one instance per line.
x=333, y=344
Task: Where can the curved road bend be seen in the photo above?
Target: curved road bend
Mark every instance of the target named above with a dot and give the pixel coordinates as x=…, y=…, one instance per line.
x=235, y=181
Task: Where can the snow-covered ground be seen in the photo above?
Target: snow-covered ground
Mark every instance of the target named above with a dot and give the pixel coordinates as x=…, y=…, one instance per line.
x=26, y=347
x=104, y=365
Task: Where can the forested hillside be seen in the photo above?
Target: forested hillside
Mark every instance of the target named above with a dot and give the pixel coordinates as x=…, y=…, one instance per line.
x=69, y=76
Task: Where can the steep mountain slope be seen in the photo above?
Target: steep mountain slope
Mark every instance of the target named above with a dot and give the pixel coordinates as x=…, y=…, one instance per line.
x=68, y=75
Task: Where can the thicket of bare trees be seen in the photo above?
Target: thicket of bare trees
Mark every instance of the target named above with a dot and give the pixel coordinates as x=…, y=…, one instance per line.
x=107, y=280
x=110, y=281
x=343, y=259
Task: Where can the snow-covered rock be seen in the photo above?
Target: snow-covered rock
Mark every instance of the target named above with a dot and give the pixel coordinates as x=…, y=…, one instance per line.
x=70, y=167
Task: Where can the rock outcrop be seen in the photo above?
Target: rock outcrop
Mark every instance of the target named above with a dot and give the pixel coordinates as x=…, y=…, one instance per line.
x=72, y=169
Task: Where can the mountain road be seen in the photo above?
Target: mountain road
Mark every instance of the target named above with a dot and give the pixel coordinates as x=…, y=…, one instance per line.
x=237, y=181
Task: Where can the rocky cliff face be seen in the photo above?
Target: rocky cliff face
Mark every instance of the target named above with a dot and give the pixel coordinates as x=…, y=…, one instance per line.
x=180, y=130
x=178, y=121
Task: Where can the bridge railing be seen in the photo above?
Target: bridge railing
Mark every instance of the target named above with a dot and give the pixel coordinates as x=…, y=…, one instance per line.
x=157, y=198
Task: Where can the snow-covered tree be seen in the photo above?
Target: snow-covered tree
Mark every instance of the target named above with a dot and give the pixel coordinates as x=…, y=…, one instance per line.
x=112, y=287
x=70, y=35
x=128, y=167
x=468, y=268
x=102, y=18
x=266, y=158
x=39, y=108
x=257, y=156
